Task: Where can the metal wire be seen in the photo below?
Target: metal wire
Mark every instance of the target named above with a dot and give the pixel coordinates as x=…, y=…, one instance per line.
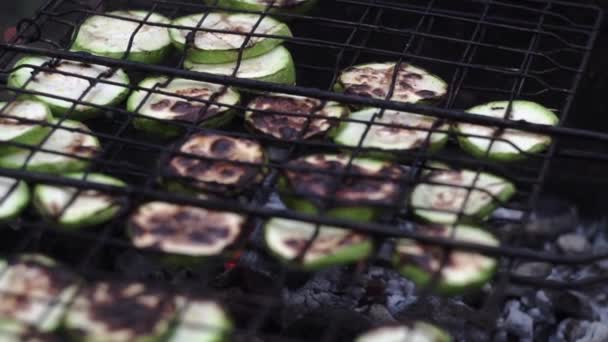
x=544, y=62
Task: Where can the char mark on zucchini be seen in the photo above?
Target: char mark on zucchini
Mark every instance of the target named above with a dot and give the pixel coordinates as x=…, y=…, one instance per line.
x=290, y=127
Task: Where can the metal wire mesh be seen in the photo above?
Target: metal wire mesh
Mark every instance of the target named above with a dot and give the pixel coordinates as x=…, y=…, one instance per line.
x=486, y=50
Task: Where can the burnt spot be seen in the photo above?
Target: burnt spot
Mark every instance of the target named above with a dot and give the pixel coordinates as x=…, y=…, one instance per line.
x=411, y=76
x=222, y=146
x=160, y=105
x=498, y=108
x=426, y=94
x=124, y=310
x=209, y=235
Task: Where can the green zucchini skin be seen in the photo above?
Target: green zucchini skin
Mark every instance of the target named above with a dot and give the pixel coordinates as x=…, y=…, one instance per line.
x=59, y=108
x=344, y=255
x=93, y=219
x=145, y=56
x=16, y=202
x=422, y=277
x=33, y=136
x=66, y=164
x=302, y=8
x=524, y=110
x=166, y=128
x=285, y=75
x=217, y=56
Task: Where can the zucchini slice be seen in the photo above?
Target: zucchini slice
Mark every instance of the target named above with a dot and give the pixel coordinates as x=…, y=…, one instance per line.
x=14, y=129
x=110, y=37
x=90, y=207
x=391, y=138
x=276, y=66
x=413, y=84
x=200, y=320
x=35, y=290
x=286, y=127
x=357, y=198
x=412, y=332
x=223, y=175
x=185, y=230
x=171, y=108
x=463, y=270
x=511, y=144
x=74, y=144
x=70, y=87
x=279, y=6
x=287, y=239
x=218, y=47
x=441, y=201
x=120, y=312
x=13, y=197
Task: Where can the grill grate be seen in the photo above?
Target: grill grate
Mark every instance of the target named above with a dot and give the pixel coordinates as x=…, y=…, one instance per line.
x=485, y=50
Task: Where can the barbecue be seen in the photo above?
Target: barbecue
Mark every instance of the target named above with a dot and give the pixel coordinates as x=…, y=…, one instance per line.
x=270, y=170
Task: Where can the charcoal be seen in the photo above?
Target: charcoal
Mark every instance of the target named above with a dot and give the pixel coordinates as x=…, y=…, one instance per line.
x=572, y=304
x=345, y=325
x=533, y=269
x=551, y=218
x=573, y=244
x=571, y=330
x=516, y=322
x=380, y=315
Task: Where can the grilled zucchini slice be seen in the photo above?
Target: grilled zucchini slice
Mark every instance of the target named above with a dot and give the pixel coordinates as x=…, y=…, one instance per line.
x=90, y=207
x=511, y=144
x=218, y=176
x=110, y=37
x=463, y=270
x=413, y=133
x=170, y=108
x=412, y=332
x=35, y=290
x=70, y=87
x=357, y=198
x=287, y=239
x=287, y=127
x=62, y=140
x=217, y=47
x=13, y=331
x=441, y=201
x=184, y=230
x=18, y=124
x=132, y=312
x=413, y=84
x=279, y=6
x=200, y=320
x=276, y=66
x=14, y=197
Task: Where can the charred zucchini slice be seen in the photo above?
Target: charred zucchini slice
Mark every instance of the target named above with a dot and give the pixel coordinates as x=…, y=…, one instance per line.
x=287, y=127
x=407, y=131
x=510, y=144
x=413, y=84
x=120, y=312
x=219, y=176
x=36, y=291
x=218, y=47
x=440, y=200
x=110, y=37
x=200, y=320
x=304, y=188
x=90, y=207
x=185, y=230
x=14, y=197
x=279, y=6
x=276, y=66
x=412, y=332
x=18, y=124
x=71, y=87
x=463, y=270
x=62, y=140
x=287, y=239
x=171, y=108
